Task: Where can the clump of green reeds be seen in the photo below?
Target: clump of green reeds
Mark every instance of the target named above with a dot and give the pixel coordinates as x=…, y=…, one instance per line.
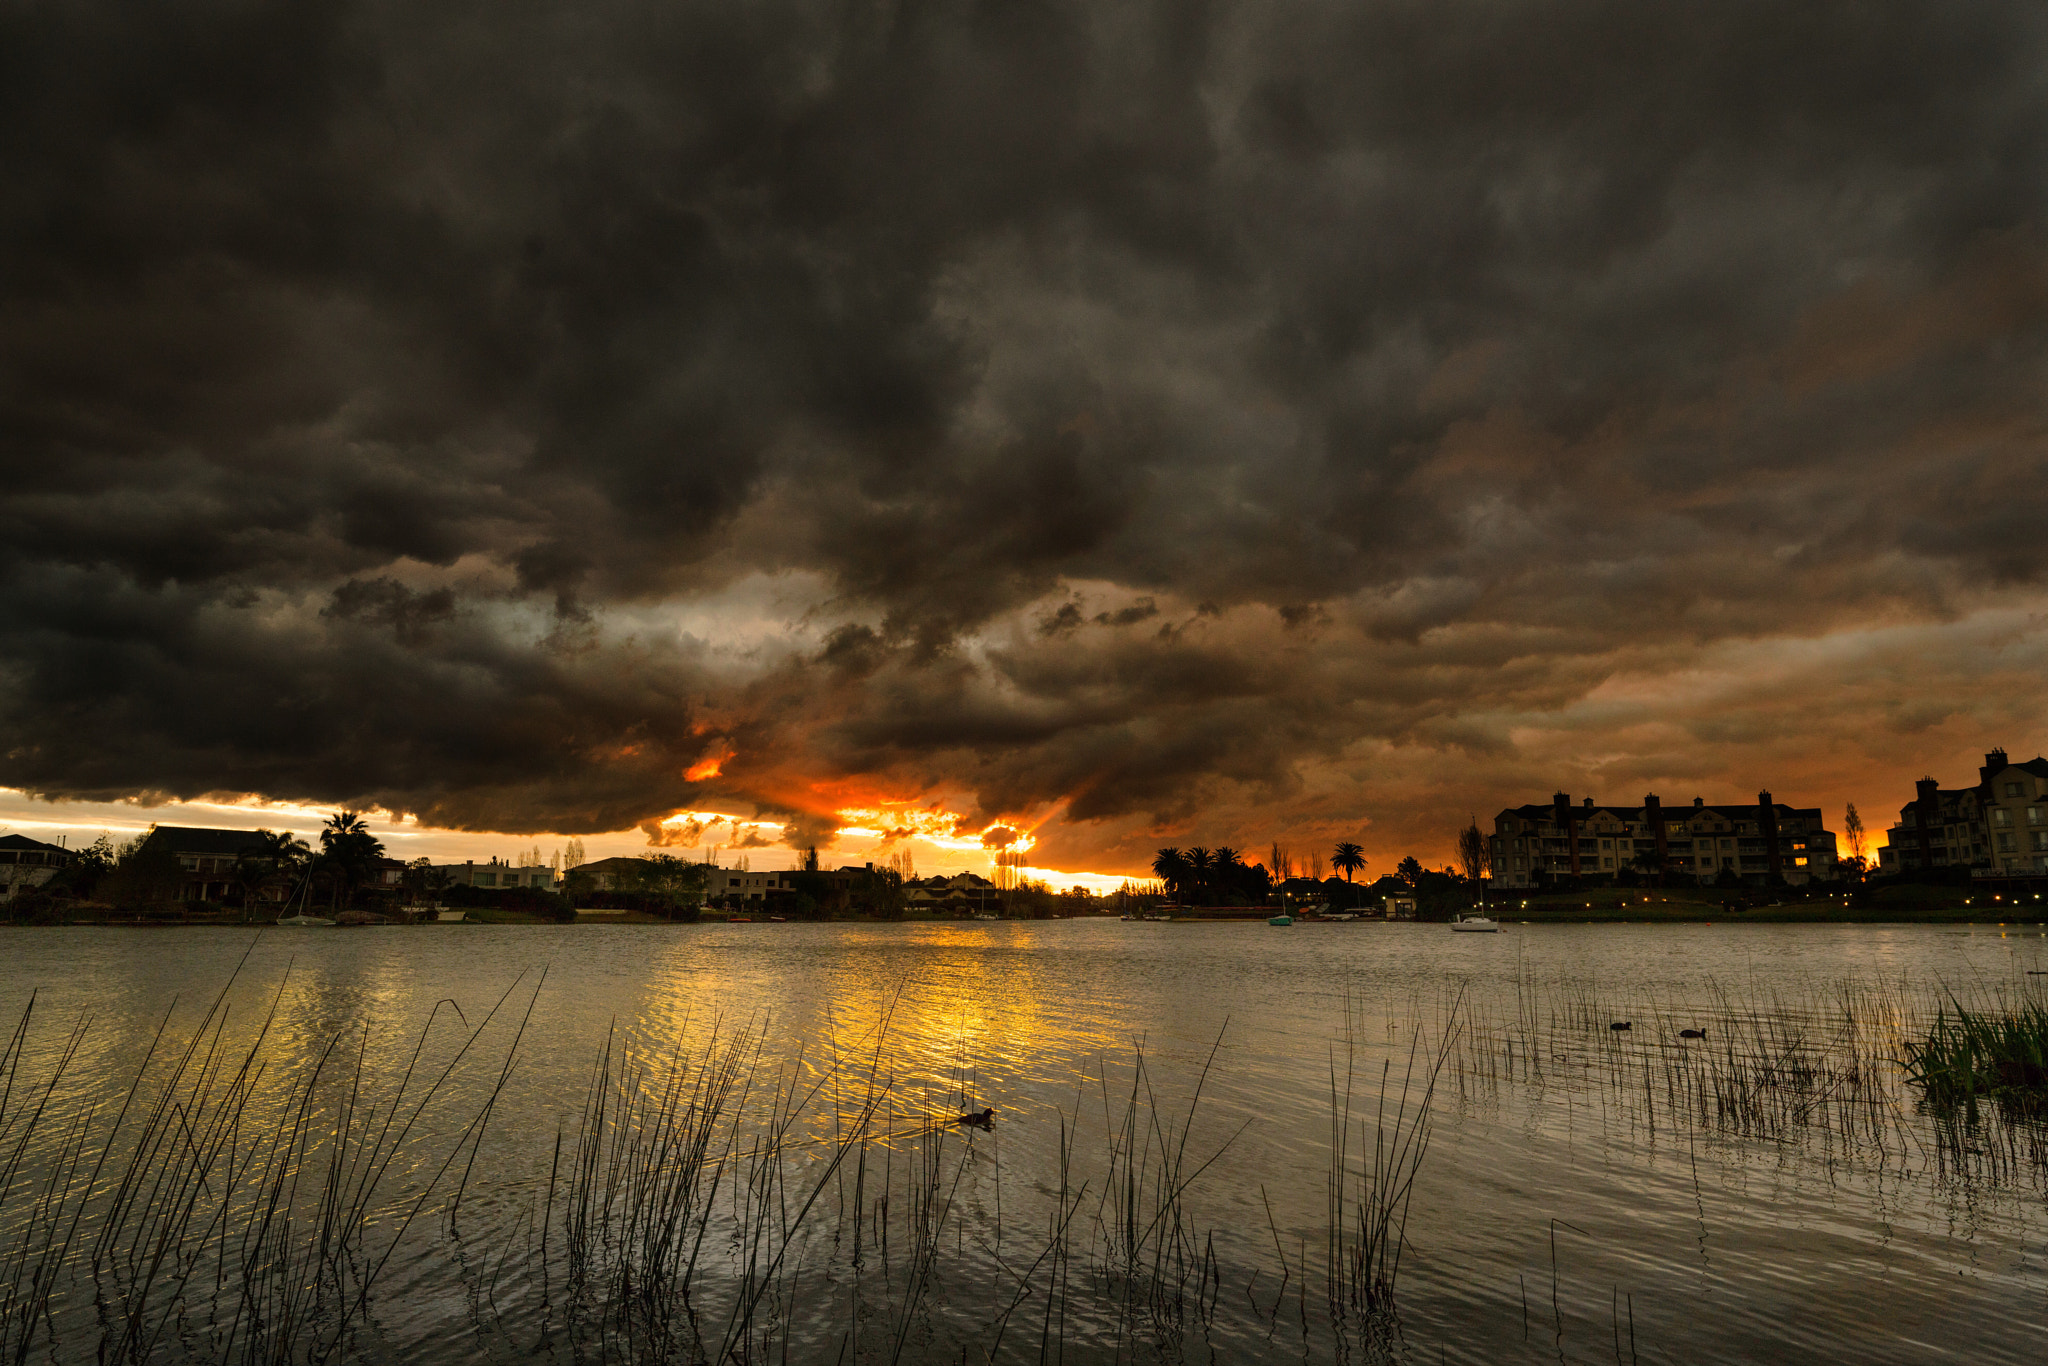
x=1967, y=1054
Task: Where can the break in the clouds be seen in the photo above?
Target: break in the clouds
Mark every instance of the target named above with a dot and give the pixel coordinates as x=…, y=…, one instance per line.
x=1179, y=420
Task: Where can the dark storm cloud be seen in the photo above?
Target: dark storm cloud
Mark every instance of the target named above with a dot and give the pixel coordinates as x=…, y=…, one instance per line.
x=1170, y=409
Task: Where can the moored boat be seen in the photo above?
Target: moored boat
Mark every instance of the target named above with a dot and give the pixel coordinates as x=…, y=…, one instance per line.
x=304, y=921
x=1281, y=919
x=1476, y=924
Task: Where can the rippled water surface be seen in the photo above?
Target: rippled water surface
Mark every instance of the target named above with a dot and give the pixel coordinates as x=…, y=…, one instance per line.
x=1772, y=1192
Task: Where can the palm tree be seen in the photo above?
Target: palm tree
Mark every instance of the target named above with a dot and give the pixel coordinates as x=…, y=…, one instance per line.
x=343, y=823
x=1347, y=858
x=1170, y=866
x=1201, y=863
x=348, y=851
x=1226, y=871
x=274, y=857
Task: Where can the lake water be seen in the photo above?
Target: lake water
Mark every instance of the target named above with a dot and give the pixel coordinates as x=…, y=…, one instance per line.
x=1772, y=1192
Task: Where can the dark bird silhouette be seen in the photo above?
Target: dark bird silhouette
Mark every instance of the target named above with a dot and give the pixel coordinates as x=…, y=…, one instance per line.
x=980, y=1119
x=1619, y=1025
x=1692, y=1033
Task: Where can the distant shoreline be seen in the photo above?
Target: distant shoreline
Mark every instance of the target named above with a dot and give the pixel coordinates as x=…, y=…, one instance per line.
x=1676, y=914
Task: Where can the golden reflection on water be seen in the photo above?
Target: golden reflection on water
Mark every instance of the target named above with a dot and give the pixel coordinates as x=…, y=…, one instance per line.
x=1044, y=1023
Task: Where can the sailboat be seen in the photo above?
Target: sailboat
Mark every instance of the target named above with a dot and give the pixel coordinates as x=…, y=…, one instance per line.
x=305, y=919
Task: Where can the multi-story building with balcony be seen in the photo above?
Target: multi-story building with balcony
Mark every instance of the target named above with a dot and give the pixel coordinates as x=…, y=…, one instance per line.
x=1543, y=845
x=1996, y=829
x=2015, y=803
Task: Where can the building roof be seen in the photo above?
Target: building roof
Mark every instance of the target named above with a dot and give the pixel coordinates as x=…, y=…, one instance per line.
x=2037, y=766
x=1581, y=813
x=1981, y=789
x=198, y=839
x=18, y=843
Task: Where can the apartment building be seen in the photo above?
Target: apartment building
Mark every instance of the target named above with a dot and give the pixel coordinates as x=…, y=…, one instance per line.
x=2015, y=804
x=1541, y=845
x=1997, y=828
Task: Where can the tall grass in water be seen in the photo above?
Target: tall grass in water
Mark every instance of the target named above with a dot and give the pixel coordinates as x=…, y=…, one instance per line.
x=1966, y=1054
x=1873, y=1072
x=220, y=1212
x=1370, y=1190
x=240, y=1198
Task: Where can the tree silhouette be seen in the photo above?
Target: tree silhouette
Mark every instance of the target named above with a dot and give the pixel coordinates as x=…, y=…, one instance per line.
x=1170, y=866
x=1472, y=852
x=1409, y=871
x=348, y=853
x=1347, y=858
x=276, y=857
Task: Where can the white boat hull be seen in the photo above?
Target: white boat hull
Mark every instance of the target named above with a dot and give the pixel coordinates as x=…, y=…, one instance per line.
x=1476, y=926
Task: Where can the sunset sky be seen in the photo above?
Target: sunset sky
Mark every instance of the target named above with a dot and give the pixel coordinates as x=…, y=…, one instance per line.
x=756, y=425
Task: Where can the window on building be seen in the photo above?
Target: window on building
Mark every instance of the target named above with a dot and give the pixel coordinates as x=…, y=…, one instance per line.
x=2000, y=816
x=2041, y=839
x=2033, y=815
x=2005, y=844
x=2015, y=790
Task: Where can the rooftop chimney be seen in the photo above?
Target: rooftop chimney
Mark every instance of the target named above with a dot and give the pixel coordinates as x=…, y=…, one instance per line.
x=1589, y=803
x=1767, y=822
x=1698, y=802
x=1654, y=809
x=1993, y=761
x=1925, y=812
x=1563, y=816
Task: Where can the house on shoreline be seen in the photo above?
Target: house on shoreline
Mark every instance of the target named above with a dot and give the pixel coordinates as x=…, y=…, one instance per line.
x=497, y=875
x=206, y=860
x=28, y=863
